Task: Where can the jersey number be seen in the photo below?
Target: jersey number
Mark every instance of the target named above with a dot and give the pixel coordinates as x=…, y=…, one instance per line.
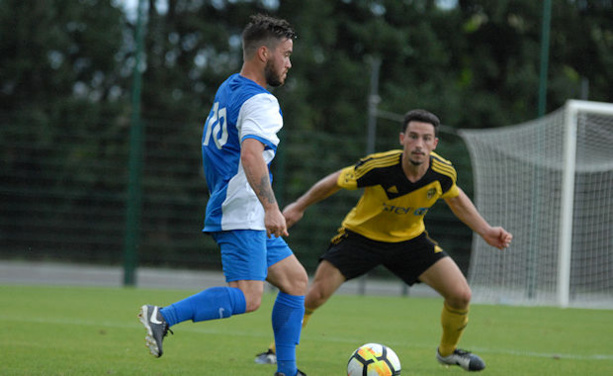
x=217, y=123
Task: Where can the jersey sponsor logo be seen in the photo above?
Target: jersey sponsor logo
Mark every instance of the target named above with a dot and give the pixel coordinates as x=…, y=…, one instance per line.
x=404, y=210
x=420, y=211
x=216, y=127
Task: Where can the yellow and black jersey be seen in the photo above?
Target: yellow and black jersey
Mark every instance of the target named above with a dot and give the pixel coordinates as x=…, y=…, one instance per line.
x=392, y=208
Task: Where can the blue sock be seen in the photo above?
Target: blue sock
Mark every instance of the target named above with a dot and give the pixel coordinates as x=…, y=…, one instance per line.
x=287, y=315
x=210, y=304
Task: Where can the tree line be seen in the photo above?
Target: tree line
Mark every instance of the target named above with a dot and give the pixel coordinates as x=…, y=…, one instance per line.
x=66, y=69
x=476, y=62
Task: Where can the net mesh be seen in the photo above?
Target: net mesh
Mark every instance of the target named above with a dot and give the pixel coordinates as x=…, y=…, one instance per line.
x=519, y=177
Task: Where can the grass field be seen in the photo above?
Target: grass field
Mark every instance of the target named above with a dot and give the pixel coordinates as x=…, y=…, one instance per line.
x=94, y=331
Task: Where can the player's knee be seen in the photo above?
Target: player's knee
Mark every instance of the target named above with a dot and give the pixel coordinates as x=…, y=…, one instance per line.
x=253, y=299
x=460, y=299
x=290, y=277
x=252, y=303
x=300, y=283
x=316, y=297
x=465, y=297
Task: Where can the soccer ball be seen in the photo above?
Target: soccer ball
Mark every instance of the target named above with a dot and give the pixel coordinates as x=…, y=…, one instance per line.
x=373, y=359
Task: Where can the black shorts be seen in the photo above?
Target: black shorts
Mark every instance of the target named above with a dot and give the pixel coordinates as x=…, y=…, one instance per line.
x=355, y=255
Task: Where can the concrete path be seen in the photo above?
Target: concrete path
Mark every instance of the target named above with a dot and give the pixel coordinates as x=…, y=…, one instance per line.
x=58, y=274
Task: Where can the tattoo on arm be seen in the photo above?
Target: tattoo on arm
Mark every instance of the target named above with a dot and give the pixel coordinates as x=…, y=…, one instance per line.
x=264, y=191
x=257, y=172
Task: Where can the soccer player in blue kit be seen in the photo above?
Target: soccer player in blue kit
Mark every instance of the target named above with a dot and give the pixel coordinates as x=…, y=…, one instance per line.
x=242, y=215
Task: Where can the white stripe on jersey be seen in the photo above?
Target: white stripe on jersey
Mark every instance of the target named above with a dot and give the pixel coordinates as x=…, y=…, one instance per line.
x=260, y=116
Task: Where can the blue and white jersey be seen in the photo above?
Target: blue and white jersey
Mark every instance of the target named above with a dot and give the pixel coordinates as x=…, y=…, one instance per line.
x=242, y=109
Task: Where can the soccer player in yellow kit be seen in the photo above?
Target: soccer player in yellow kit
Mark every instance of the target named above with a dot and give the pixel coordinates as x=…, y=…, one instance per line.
x=386, y=227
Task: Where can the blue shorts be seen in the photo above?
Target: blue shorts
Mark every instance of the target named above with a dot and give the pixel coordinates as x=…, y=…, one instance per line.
x=247, y=254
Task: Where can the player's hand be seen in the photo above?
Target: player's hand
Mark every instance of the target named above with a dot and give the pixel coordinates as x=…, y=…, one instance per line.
x=275, y=223
x=498, y=237
x=292, y=214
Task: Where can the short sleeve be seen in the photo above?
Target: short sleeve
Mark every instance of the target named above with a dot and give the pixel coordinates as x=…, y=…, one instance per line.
x=348, y=178
x=452, y=192
x=260, y=118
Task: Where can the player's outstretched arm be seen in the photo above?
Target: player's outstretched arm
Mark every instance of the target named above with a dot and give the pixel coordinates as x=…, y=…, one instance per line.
x=319, y=191
x=466, y=211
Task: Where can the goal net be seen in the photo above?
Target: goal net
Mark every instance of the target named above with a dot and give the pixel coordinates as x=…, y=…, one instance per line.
x=550, y=183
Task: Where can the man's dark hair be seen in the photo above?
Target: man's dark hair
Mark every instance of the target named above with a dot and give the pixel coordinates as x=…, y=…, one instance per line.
x=422, y=116
x=265, y=30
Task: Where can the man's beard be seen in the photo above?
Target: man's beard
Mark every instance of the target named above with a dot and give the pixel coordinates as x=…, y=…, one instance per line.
x=272, y=78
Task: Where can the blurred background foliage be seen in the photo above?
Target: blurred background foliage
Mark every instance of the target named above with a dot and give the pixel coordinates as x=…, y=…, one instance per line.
x=65, y=111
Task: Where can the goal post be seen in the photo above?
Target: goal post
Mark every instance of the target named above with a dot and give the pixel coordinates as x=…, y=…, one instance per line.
x=550, y=182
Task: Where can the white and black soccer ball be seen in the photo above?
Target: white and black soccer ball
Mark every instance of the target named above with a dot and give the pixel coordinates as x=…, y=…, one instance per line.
x=373, y=359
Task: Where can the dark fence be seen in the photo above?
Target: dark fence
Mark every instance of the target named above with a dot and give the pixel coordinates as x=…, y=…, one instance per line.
x=64, y=192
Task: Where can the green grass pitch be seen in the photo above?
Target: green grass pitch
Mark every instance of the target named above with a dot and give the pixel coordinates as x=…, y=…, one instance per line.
x=94, y=331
